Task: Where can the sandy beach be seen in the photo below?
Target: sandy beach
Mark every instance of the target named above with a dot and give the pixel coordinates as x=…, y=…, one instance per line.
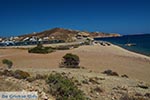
x=96, y=58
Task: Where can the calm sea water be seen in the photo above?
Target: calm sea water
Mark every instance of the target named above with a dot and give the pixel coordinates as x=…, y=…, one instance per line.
x=142, y=42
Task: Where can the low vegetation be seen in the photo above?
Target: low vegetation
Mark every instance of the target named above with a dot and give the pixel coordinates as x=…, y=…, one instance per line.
x=67, y=47
x=110, y=72
x=70, y=61
x=19, y=74
x=9, y=63
x=44, y=50
x=37, y=77
x=63, y=88
x=9, y=86
x=41, y=49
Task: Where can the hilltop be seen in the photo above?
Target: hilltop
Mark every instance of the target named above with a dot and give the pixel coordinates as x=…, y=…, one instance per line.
x=53, y=34
x=66, y=35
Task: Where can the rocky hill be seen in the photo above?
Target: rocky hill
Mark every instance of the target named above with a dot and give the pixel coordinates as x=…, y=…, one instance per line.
x=54, y=34
x=66, y=35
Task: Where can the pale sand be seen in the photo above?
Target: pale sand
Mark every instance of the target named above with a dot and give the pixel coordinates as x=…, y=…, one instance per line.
x=97, y=58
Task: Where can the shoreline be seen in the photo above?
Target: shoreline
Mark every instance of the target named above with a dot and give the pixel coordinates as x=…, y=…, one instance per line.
x=132, y=52
x=139, y=47
x=135, y=51
x=124, y=49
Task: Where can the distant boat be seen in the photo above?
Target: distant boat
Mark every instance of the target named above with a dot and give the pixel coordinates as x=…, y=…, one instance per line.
x=130, y=44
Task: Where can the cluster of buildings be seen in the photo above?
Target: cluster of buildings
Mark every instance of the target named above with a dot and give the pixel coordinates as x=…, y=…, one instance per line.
x=19, y=41
x=32, y=40
x=8, y=41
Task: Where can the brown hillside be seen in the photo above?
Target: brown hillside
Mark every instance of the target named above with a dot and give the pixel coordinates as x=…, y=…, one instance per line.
x=55, y=34
x=65, y=34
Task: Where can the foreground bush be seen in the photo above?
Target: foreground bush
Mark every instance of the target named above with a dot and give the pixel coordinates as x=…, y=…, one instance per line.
x=63, y=88
x=9, y=63
x=19, y=74
x=41, y=49
x=70, y=61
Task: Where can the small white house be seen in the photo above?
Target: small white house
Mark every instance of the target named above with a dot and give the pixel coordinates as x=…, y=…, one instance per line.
x=1, y=39
x=45, y=38
x=25, y=39
x=33, y=38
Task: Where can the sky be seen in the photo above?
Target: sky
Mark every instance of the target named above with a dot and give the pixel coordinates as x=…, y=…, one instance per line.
x=113, y=16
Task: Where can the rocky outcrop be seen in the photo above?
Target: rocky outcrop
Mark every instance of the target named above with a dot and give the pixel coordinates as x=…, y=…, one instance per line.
x=102, y=34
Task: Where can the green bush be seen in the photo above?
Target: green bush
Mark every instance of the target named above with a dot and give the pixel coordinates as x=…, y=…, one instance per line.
x=41, y=49
x=9, y=63
x=66, y=47
x=63, y=88
x=19, y=74
x=63, y=48
x=70, y=61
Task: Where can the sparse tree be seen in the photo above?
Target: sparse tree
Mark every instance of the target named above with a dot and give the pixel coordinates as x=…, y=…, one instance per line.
x=70, y=61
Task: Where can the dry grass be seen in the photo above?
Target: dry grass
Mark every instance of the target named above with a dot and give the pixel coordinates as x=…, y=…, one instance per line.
x=8, y=86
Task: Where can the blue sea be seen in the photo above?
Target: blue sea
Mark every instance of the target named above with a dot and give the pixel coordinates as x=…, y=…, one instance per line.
x=142, y=42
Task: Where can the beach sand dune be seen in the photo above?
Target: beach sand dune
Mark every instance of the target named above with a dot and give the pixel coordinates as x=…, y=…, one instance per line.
x=97, y=58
